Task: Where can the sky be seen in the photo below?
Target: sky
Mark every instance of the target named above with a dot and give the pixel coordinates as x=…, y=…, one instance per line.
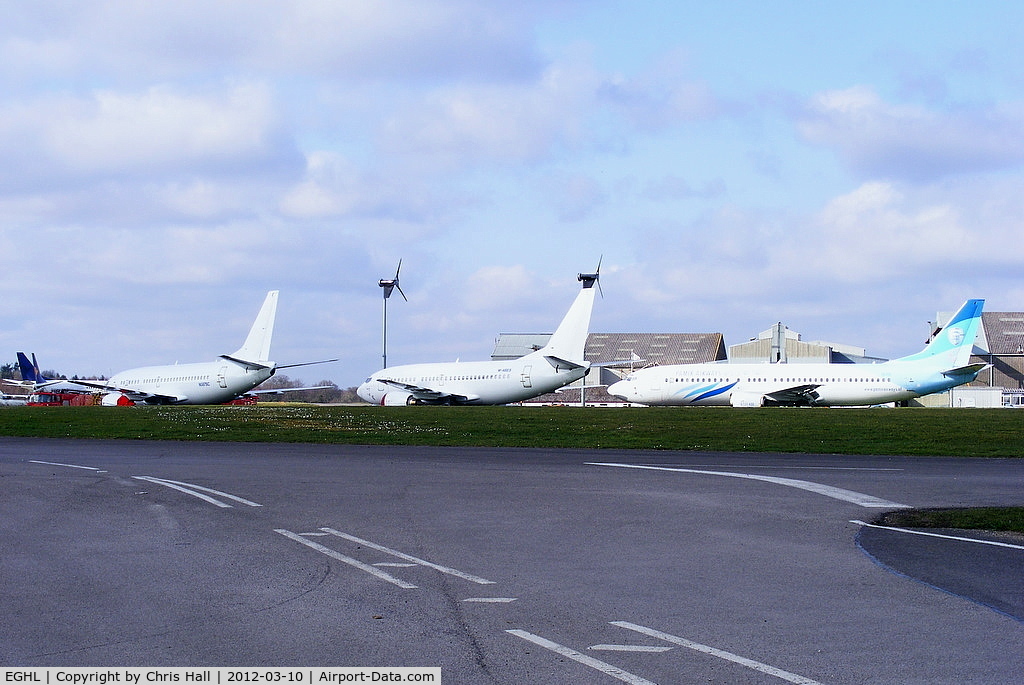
x=848, y=169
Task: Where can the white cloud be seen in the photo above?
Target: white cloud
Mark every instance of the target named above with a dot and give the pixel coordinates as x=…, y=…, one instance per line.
x=913, y=142
x=160, y=127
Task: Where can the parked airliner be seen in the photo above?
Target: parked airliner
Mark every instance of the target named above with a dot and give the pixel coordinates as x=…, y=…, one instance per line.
x=944, y=363
x=212, y=382
x=558, y=363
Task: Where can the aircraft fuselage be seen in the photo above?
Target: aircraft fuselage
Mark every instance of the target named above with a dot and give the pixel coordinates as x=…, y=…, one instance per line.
x=483, y=382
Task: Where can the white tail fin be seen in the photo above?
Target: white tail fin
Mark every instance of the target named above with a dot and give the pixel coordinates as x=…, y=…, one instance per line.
x=569, y=339
x=257, y=344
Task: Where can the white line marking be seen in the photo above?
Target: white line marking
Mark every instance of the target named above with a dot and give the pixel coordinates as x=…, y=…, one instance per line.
x=409, y=557
x=784, y=467
x=632, y=648
x=70, y=466
x=597, y=664
x=490, y=600
x=395, y=564
x=348, y=560
x=857, y=498
x=210, y=490
x=728, y=656
x=205, y=498
x=939, y=535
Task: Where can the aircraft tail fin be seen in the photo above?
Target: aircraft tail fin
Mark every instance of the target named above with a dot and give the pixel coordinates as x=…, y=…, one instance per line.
x=257, y=344
x=29, y=369
x=955, y=342
x=570, y=337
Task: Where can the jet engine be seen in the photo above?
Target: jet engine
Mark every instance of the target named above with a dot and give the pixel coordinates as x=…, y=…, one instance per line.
x=397, y=399
x=116, y=399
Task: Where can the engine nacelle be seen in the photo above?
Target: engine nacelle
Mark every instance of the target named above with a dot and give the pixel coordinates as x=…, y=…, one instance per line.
x=746, y=399
x=397, y=399
x=116, y=399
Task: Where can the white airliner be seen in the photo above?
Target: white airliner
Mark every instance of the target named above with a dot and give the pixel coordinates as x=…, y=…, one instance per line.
x=213, y=382
x=558, y=363
x=942, y=364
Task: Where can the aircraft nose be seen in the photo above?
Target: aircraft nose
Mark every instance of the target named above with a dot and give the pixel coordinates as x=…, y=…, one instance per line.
x=619, y=389
x=363, y=392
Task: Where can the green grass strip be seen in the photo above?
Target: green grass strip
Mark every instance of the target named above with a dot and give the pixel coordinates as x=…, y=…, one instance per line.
x=929, y=432
x=1009, y=519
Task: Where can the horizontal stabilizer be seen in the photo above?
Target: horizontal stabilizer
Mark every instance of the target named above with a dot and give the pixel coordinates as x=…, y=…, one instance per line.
x=559, y=363
x=969, y=370
x=617, y=364
x=252, y=365
x=290, y=366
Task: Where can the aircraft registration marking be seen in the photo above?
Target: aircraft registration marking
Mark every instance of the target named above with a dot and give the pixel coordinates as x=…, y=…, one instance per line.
x=858, y=498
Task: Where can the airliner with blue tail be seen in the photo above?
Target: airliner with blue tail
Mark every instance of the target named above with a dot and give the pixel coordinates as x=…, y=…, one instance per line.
x=943, y=364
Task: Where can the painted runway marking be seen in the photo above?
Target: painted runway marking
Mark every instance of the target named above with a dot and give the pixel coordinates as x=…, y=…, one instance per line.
x=728, y=656
x=387, y=577
x=70, y=466
x=857, y=498
x=179, y=488
x=772, y=467
x=197, y=490
x=652, y=649
x=394, y=564
x=939, y=535
x=597, y=664
x=490, y=600
x=409, y=557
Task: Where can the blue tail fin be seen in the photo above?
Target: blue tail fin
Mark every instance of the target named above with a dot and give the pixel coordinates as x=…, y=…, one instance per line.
x=955, y=341
x=29, y=370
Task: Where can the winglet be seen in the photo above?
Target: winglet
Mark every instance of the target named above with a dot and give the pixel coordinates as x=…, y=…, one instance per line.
x=257, y=345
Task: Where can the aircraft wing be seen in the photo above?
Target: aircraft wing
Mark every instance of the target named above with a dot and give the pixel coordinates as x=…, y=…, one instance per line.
x=132, y=394
x=428, y=394
x=272, y=391
x=798, y=394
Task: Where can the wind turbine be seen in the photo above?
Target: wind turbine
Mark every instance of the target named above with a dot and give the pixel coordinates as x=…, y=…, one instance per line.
x=389, y=285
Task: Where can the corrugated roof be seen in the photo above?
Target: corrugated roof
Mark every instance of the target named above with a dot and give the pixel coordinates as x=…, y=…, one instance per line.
x=653, y=348
x=1003, y=331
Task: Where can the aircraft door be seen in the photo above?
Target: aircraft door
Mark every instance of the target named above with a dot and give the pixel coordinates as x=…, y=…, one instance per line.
x=222, y=380
x=525, y=377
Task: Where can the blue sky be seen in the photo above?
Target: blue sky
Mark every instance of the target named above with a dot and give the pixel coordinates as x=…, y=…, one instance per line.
x=848, y=169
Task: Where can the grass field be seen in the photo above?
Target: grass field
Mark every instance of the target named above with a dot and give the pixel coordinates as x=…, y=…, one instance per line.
x=950, y=432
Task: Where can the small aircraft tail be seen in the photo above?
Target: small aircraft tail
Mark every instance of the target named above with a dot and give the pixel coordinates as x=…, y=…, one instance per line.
x=954, y=343
x=257, y=344
x=567, y=342
x=30, y=369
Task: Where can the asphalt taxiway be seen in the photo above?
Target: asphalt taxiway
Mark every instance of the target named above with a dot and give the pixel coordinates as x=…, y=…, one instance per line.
x=504, y=565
